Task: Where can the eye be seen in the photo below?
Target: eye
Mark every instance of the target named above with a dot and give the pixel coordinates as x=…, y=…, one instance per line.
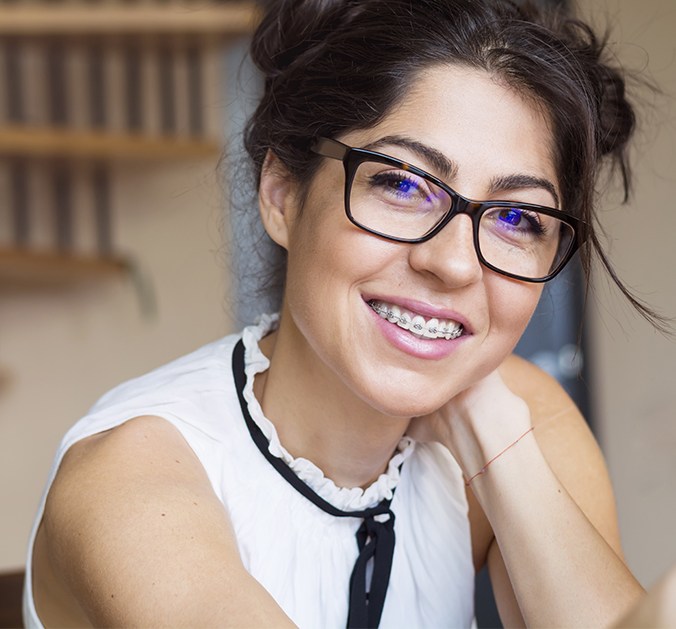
x=512, y=216
x=383, y=191
x=401, y=185
x=522, y=219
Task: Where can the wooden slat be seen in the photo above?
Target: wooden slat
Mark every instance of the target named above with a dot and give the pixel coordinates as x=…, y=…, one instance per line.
x=48, y=142
x=11, y=588
x=75, y=18
x=22, y=268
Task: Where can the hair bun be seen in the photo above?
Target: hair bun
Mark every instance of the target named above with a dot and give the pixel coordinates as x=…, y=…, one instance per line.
x=616, y=116
x=290, y=28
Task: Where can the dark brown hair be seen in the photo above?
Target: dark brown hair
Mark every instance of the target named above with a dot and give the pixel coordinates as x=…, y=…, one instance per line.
x=333, y=66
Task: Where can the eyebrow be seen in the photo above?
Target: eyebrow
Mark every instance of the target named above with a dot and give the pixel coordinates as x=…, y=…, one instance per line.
x=448, y=169
x=520, y=182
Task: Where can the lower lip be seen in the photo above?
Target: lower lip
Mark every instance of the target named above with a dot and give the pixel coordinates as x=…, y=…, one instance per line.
x=403, y=340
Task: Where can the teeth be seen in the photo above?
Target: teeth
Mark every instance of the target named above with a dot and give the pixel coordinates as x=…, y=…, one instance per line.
x=416, y=324
x=404, y=321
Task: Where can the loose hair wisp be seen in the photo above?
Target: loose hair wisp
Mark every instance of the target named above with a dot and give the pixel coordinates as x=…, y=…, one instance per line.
x=333, y=66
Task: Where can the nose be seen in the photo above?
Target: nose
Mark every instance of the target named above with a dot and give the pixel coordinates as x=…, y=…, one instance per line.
x=450, y=255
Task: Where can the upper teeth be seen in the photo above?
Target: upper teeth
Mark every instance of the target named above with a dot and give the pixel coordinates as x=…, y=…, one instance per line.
x=417, y=324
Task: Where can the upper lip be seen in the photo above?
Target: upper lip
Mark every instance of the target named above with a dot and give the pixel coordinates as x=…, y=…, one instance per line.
x=425, y=309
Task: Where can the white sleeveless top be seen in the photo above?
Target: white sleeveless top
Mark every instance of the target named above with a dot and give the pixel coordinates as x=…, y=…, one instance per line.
x=301, y=555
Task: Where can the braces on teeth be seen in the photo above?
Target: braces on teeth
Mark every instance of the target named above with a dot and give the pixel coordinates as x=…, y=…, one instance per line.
x=405, y=321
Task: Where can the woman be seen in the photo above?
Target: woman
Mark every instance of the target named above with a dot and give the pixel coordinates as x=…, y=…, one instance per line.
x=425, y=166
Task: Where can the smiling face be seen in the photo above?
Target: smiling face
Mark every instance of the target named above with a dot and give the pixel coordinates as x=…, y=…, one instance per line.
x=348, y=293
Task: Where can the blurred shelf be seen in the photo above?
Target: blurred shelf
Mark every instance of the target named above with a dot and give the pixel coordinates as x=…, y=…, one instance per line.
x=78, y=18
x=51, y=142
x=26, y=268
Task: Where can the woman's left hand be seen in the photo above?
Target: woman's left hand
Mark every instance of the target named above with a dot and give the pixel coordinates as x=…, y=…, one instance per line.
x=477, y=423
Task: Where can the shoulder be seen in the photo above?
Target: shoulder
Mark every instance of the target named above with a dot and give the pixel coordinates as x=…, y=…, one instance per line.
x=135, y=492
x=171, y=416
x=144, y=457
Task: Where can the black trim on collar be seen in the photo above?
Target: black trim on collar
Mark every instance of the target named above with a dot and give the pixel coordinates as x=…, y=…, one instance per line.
x=375, y=537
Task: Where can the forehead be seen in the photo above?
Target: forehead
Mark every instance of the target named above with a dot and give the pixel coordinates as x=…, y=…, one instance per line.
x=484, y=126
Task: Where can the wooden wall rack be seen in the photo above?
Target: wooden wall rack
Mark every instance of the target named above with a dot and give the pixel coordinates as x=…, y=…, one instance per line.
x=53, y=137
x=225, y=19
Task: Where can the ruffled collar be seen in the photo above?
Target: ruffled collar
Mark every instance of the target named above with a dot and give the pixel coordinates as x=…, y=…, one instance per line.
x=344, y=498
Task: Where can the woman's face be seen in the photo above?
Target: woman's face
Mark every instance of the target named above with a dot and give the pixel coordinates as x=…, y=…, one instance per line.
x=497, y=144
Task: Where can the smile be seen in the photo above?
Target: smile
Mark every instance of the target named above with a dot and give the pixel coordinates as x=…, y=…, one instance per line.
x=417, y=324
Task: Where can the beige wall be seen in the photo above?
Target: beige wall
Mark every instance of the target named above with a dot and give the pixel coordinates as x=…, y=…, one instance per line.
x=634, y=368
x=61, y=348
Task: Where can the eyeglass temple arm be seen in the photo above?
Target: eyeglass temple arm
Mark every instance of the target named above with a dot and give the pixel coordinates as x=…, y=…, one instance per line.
x=330, y=148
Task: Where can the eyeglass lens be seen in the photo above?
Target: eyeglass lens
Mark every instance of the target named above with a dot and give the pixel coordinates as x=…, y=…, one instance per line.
x=401, y=204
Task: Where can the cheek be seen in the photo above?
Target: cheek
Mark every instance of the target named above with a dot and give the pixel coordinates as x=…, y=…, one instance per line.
x=318, y=260
x=325, y=249
x=511, y=305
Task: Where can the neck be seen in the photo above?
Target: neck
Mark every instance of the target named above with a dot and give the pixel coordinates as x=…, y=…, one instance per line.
x=318, y=418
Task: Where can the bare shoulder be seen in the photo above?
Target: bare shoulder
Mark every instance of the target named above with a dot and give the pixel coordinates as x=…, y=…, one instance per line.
x=567, y=443
x=154, y=438
x=134, y=532
x=144, y=459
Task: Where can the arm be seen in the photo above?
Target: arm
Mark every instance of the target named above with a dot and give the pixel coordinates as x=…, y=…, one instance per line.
x=657, y=610
x=134, y=530
x=555, y=559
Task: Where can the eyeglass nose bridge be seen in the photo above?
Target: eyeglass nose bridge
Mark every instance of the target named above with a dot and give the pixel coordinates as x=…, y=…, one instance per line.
x=459, y=205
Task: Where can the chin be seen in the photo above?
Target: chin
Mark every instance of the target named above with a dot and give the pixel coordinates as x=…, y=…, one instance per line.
x=404, y=403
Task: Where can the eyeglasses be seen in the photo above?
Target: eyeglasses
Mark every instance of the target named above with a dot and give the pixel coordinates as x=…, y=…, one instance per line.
x=397, y=201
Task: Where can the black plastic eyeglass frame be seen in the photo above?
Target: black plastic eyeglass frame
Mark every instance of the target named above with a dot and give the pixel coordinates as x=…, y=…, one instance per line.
x=352, y=157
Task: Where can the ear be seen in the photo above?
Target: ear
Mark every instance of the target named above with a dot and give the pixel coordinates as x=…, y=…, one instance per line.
x=277, y=199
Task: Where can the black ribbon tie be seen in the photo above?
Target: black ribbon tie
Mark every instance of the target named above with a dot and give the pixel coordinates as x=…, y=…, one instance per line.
x=375, y=537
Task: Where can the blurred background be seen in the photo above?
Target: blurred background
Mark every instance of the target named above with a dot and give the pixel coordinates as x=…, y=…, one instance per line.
x=117, y=237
